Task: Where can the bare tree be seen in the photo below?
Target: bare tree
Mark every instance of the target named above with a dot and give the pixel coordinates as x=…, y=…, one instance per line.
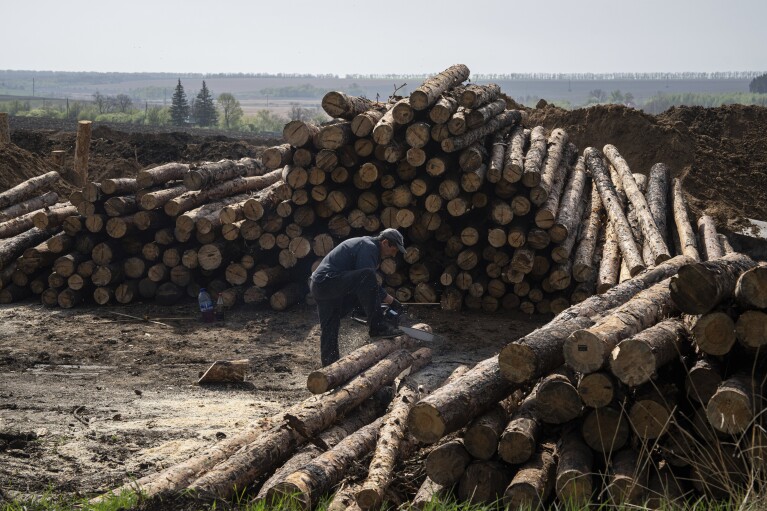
x=124, y=103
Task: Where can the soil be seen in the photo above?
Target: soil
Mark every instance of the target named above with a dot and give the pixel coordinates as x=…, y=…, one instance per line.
x=93, y=396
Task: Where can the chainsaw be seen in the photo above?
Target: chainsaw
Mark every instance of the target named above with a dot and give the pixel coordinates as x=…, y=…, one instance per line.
x=393, y=317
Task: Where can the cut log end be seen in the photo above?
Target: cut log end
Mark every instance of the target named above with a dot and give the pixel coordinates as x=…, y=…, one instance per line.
x=317, y=382
x=633, y=362
x=425, y=423
x=585, y=352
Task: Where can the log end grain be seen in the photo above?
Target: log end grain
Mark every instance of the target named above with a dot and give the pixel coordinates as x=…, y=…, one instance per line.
x=692, y=288
x=751, y=329
x=518, y=363
x=585, y=351
x=714, y=333
x=649, y=419
x=516, y=446
x=425, y=423
x=633, y=362
x=730, y=411
x=317, y=382
x=597, y=390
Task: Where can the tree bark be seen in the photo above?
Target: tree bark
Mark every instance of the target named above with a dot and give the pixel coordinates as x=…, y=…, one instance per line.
x=27, y=206
x=540, y=352
x=474, y=96
x=534, y=158
x=552, y=173
x=161, y=174
x=430, y=90
x=568, y=215
x=699, y=287
x=751, y=288
x=483, y=482
x=650, y=230
x=339, y=105
x=657, y=200
x=605, y=429
x=428, y=492
x=534, y=482
x=636, y=360
x=575, y=469
x=588, y=350
x=628, y=478
x=626, y=241
x=584, y=266
x=520, y=436
x=514, y=161
x=682, y=221
x=709, y=241
x=27, y=189
x=502, y=120
x=480, y=116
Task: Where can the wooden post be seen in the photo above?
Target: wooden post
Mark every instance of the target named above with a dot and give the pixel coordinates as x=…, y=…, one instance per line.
x=57, y=157
x=5, y=130
x=82, y=148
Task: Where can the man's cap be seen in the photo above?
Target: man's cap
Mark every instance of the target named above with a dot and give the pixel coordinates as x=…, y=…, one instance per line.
x=394, y=236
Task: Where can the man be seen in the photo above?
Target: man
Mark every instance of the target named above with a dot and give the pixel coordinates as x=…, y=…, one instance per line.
x=345, y=278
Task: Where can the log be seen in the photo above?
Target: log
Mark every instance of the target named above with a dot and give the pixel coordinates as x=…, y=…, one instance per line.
x=146, y=178
x=534, y=482
x=650, y=230
x=650, y=414
x=534, y=158
x=703, y=378
x=584, y=267
x=473, y=96
x=455, y=404
x=713, y=332
x=82, y=149
x=709, y=241
x=589, y=349
x=557, y=398
x=30, y=205
x=354, y=363
x=574, y=482
x=13, y=247
x=391, y=442
x=119, y=186
x=636, y=360
x=479, y=116
x=626, y=241
x=751, y=288
x=552, y=173
x=541, y=352
x=300, y=133
x=628, y=478
x=27, y=189
x=682, y=221
x=605, y=429
x=520, y=437
x=383, y=132
x=514, y=160
x=483, y=482
x=568, y=215
x=657, y=200
x=447, y=462
x=157, y=199
x=484, y=432
x=502, y=120
x=699, y=287
x=430, y=90
x=342, y=106
x=286, y=297
x=735, y=404
x=278, y=156
x=427, y=493
x=751, y=329
x=50, y=218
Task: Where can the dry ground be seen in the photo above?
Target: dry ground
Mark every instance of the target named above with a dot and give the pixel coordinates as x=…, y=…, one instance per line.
x=90, y=397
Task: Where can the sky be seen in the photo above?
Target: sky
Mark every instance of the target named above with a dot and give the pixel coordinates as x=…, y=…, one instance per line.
x=357, y=37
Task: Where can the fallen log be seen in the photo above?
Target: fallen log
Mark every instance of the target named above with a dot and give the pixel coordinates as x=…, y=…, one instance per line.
x=27, y=188
x=682, y=221
x=698, y=288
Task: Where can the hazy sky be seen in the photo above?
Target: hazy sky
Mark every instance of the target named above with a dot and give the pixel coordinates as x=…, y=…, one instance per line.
x=416, y=36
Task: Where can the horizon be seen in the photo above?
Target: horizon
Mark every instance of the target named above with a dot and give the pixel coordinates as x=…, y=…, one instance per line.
x=349, y=37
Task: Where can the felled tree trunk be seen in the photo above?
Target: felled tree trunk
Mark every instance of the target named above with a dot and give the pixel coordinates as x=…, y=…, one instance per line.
x=428, y=492
x=575, y=469
x=682, y=221
x=698, y=288
x=751, y=288
x=29, y=205
x=588, y=350
x=628, y=478
x=161, y=174
x=514, y=160
x=569, y=215
x=584, y=261
x=733, y=407
x=484, y=432
x=531, y=176
x=540, y=352
x=626, y=240
x=27, y=189
x=429, y=91
x=11, y=248
x=483, y=482
x=751, y=329
x=709, y=241
x=651, y=412
x=557, y=397
x=637, y=359
x=533, y=483
x=605, y=429
x=552, y=173
x=703, y=378
x=713, y=332
x=339, y=105
x=506, y=118
x=520, y=437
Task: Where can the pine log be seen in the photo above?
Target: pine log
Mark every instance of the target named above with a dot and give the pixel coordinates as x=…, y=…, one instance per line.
x=383, y=132
x=479, y=116
x=299, y=133
x=30, y=205
x=339, y=105
x=584, y=267
x=650, y=415
x=709, y=241
x=698, y=288
x=575, y=469
x=514, y=161
x=589, y=349
x=119, y=186
x=552, y=173
x=455, y=404
x=605, y=429
x=50, y=218
x=520, y=437
x=751, y=329
x=751, y=288
x=626, y=241
x=428, y=492
x=736, y=402
x=534, y=482
x=447, y=462
x=278, y=156
x=636, y=360
x=484, y=432
x=567, y=216
x=483, y=482
x=498, y=155
x=27, y=189
x=657, y=200
x=713, y=332
x=534, y=158
x=628, y=478
x=502, y=120
x=682, y=221
x=473, y=96
x=161, y=174
x=430, y=90
x=13, y=247
x=703, y=378
x=541, y=352
x=557, y=398
x=392, y=438
x=650, y=230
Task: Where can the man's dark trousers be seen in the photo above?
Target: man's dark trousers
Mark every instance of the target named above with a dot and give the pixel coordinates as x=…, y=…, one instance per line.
x=336, y=297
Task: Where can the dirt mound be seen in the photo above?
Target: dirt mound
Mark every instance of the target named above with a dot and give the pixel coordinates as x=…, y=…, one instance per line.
x=718, y=152
x=17, y=165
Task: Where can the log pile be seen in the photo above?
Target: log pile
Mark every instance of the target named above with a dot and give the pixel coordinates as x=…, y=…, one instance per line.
x=646, y=385
x=496, y=215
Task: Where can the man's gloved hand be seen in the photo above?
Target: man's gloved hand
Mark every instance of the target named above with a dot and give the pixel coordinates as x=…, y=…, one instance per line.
x=396, y=306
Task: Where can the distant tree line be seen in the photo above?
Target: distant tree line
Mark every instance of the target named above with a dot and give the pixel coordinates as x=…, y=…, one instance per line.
x=758, y=85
